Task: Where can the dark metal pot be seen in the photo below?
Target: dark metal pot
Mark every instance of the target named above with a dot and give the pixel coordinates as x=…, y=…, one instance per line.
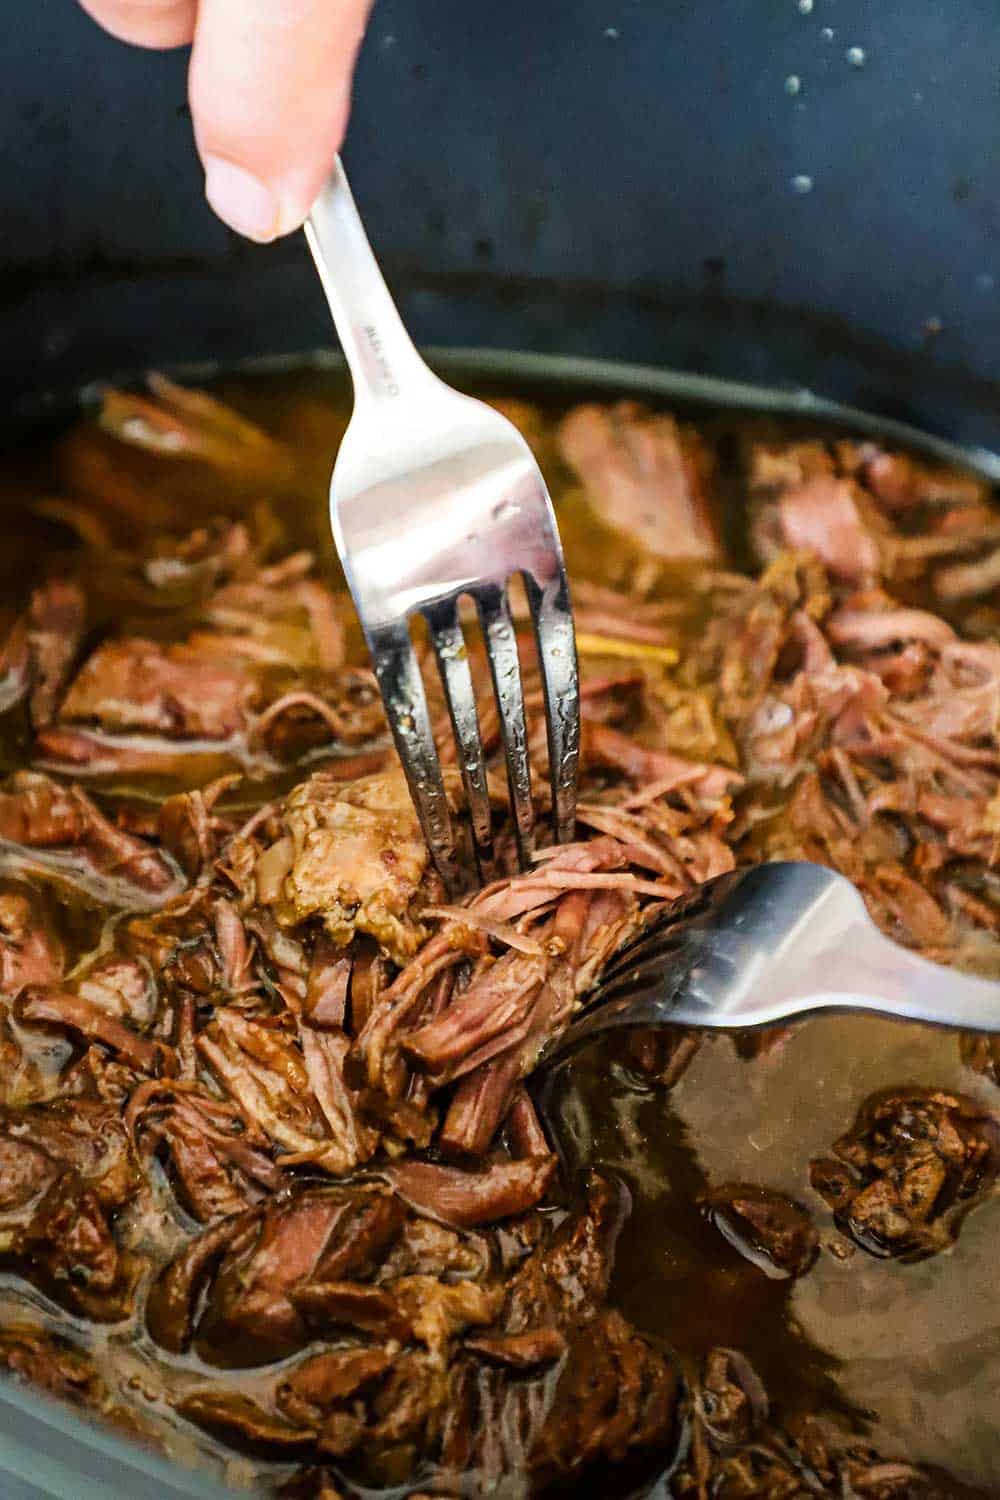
x=803, y=194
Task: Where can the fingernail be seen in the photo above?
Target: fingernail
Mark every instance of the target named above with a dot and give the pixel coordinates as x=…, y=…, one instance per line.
x=239, y=198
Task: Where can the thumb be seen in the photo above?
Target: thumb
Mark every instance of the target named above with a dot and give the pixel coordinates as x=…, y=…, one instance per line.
x=270, y=89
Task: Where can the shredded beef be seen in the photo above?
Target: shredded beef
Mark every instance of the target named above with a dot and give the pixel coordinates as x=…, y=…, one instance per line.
x=266, y=1091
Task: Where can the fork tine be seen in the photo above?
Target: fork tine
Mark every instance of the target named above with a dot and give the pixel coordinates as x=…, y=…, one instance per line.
x=552, y=618
x=456, y=678
x=505, y=669
x=402, y=690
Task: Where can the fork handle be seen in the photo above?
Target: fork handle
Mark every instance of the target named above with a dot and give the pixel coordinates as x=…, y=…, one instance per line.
x=892, y=981
x=379, y=352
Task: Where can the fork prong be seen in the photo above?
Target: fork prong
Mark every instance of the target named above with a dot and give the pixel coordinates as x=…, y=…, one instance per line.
x=505, y=669
x=456, y=678
x=556, y=639
x=406, y=706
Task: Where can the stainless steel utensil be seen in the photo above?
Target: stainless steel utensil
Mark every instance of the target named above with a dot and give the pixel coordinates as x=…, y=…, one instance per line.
x=436, y=497
x=771, y=944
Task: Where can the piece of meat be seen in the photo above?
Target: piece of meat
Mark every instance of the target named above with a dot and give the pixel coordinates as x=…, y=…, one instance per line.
x=172, y=1305
x=55, y=624
x=47, y=1363
x=142, y=686
x=969, y=580
x=467, y=1198
x=190, y=828
x=235, y=1290
x=900, y=482
x=298, y=1098
x=180, y=423
x=321, y=1383
x=645, y=475
x=63, y=1174
x=603, y=746
x=731, y=1403
x=83, y=1018
x=661, y=1056
x=565, y=1279
x=216, y=1167
x=26, y=1171
x=241, y=1422
x=617, y=1396
x=31, y=951
x=85, y=1136
x=767, y=1229
x=913, y=1164
x=480, y=1021
x=871, y=630
x=58, y=831
x=825, y=515
x=15, y=665
x=774, y=466
x=519, y=1351
x=525, y=1132
x=328, y=984
x=338, y=1306
x=353, y=856
x=123, y=988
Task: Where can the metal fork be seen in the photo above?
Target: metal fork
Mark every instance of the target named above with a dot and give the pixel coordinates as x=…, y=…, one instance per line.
x=770, y=944
x=436, y=497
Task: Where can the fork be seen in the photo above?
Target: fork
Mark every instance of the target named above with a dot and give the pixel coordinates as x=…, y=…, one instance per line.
x=436, y=497
x=768, y=944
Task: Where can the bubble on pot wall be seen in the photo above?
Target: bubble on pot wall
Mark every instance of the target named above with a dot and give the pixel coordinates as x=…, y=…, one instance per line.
x=793, y=84
x=612, y=33
x=802, y=183
x=856, y=56
x=805, y=7
x=827, y=33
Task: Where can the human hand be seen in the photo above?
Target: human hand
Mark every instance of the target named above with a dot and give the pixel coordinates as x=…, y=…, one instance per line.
x=270, y=90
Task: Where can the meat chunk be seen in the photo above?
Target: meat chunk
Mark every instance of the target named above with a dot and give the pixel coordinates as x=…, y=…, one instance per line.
x=72, y=1013
x=63, y=1174
x=31, y=951
x=738, y=1450
x=216, y=1163
x=469, y=1198
x=50, y=1364
x=239, y=1420
x=140, y=685
x=237, y=1295
x=911, y=1167
x=766, y=1228
x=353, y=856
x=297, y=1095
x=660, y=1056
x=646, y=476
x=58, y=831
x=443, y=1365
x=732, y=1402
x=826, y=516
x=617, y=1396
x=56, y=618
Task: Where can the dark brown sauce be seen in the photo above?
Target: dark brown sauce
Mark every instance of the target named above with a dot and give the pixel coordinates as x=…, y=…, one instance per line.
x=908, y=1354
